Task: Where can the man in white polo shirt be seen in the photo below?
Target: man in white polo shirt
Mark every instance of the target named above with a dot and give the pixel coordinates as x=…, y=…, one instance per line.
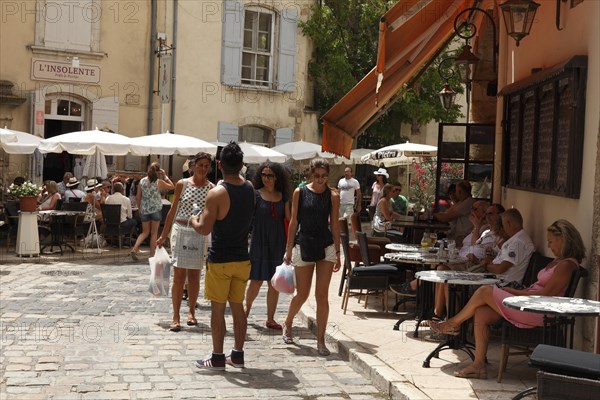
x=512, y=260
x=348, y=187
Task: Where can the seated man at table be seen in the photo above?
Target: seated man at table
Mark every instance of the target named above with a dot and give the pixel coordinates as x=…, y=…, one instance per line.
x=399, y=202
x=127, y=221
x=458, y=214
x=511, y=262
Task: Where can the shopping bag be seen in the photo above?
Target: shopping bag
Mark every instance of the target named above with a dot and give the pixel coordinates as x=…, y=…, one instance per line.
x=189, y=248
x=160, y=274
x=161, y=255
x=284, y=280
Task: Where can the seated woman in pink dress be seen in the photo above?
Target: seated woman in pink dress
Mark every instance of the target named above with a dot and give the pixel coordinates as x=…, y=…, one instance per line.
x=486, y=304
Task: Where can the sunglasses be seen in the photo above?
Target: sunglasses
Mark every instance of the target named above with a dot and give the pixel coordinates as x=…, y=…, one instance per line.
x=317, y=176
x=268, y=176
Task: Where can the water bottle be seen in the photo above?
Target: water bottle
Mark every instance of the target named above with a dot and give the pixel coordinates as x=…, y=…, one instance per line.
x=195, y=209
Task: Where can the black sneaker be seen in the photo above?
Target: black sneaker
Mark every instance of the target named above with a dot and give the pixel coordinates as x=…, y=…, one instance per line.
x=235, y=358
x=215, y=362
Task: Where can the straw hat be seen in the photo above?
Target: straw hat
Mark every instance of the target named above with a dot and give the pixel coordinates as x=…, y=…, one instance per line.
x=73, y=182
x=382, y=171
x=92, y=184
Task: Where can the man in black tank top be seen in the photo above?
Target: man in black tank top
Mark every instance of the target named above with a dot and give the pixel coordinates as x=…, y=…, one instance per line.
x=227, y=215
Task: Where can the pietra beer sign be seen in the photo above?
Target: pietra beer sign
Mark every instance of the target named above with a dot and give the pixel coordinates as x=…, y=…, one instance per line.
x=64, y=72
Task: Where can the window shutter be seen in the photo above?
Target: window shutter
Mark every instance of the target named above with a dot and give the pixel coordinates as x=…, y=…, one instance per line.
x=231, y=58
x=287, y=50
x=227, y=132
x=283, y=135
x=105, y=114
x=69, y=25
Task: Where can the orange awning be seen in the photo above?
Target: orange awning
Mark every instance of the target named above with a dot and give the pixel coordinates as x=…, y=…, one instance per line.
x=411, y=35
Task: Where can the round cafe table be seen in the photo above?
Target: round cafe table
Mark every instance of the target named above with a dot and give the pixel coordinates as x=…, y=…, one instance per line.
x=458, y=285
x=557, y=310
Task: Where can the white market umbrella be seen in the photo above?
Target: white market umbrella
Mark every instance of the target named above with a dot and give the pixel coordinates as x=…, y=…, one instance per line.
x=168, y=144
x=302, y=150
x=87, y=143
x=95, y=165
x=255, y=154
x=23, y=143
x=400, y=154
x=7, y=136
x=355, y=157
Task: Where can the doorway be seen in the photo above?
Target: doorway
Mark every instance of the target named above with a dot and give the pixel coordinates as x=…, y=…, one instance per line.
x=56, y=164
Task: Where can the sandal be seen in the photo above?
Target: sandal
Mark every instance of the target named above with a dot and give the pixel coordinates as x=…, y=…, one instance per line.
x=192, y=321
x=323, y=350
x=175, y=327
x=133, y=255
x=287, y=335
x=471, y=373
x=273, y=325
x=447, y=327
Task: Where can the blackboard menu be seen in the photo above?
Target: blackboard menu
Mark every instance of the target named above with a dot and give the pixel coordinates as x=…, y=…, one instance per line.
x=543, y=138
x=544, y=145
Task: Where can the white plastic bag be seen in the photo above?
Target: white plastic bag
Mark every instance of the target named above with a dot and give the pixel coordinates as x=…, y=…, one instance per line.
x=284, y=280
x=161, y=256
x=160, y=272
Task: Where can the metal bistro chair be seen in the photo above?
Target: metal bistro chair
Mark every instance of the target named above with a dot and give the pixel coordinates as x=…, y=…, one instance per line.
x=369, y=278
x=75, y=225
x=111, y=214
x=524, y=340
x=392, y=271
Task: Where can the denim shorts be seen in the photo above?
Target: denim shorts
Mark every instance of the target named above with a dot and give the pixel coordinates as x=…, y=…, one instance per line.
x=155, y=216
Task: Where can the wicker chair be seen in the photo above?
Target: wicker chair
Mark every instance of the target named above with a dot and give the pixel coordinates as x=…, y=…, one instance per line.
x=524, y=340
x=564, y=374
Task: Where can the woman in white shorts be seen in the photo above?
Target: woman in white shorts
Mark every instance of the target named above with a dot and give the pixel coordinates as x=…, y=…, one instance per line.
x=316, y=247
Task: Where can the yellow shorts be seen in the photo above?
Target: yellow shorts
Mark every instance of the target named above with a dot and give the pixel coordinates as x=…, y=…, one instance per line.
x=226, y=281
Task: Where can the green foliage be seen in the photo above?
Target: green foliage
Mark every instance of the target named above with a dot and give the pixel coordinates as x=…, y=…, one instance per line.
x=345, y=34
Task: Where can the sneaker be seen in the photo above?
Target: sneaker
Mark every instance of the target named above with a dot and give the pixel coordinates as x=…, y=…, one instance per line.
x=215, y=362
x=235, y=358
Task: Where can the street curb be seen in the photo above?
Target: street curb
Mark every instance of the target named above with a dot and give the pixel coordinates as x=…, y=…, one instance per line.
x=383, y=377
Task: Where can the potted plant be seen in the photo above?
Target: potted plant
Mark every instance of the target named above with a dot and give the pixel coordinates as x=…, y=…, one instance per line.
x=27, y=194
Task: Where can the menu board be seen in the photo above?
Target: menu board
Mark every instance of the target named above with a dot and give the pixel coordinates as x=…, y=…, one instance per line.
x=544, y=130
x=543, y=172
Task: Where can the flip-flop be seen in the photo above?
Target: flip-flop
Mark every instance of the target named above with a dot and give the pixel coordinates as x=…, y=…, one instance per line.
x=192, y=322
x=273, y=325
x=175, y=327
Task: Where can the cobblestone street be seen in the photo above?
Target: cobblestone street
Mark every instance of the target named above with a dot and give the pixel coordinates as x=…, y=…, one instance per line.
x=91, y=330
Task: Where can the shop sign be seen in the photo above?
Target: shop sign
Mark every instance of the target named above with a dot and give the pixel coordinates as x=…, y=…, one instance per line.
x=64, y=72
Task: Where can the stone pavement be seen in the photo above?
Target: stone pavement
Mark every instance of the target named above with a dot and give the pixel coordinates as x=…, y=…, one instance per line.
x=91, y=330
x=85, y=326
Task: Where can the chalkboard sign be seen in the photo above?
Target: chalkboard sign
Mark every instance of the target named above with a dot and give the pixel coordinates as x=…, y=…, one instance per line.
x=543, y=132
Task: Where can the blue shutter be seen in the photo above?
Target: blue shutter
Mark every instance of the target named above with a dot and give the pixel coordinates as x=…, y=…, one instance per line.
x=231, y=58
x=286, y=69
x=227, y=132
x=283, y=135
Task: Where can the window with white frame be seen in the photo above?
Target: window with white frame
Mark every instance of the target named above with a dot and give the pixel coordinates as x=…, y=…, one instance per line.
x=257, y=53
x=259, y=46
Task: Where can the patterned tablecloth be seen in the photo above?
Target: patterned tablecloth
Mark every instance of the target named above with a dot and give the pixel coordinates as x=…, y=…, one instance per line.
x=566, y=306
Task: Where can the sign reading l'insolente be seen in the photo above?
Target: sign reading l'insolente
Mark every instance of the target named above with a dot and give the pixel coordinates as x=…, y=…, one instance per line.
x=58, y=71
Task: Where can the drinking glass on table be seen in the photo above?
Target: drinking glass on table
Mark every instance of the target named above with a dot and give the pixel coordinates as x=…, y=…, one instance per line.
x=432, y=238
x=451, y=248
x=425, y=241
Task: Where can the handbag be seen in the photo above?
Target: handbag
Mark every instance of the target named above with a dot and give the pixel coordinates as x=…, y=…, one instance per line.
x=189, y=248
x=311, y=247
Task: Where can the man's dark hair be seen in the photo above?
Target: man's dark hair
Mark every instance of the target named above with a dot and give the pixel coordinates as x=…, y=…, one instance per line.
x=232, y=158
x=117, y=187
